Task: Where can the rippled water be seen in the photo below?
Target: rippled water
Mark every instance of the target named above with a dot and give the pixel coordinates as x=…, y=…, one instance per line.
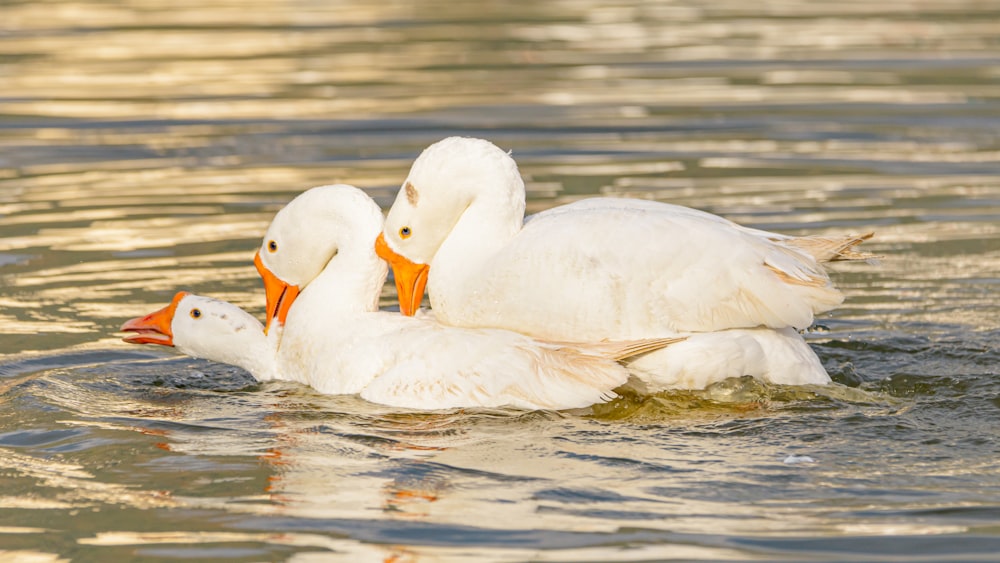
x=144, y=146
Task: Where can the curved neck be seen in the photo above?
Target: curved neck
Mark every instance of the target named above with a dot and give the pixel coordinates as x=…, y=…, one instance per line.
x=350, y=282
x=260, y=358
x=484, y=228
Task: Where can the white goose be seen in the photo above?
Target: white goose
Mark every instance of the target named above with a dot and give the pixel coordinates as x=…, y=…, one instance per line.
x=326, y=332
x=604, y=268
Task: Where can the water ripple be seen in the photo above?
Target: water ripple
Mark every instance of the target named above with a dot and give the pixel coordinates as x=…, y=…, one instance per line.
x=145, y=145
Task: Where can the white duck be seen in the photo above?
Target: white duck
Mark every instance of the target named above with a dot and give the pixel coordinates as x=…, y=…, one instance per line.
x=601, y=268
x=334, y=339
x=607, y=268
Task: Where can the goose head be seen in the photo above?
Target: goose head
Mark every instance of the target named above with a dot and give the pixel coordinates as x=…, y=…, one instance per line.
x=327, y=228
x=446, y=179
x=203, y=327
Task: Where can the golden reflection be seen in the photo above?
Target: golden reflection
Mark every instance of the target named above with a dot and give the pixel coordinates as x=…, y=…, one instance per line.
x=79, y=486
x=33, y=556
x=298, y=539
x=146, y=144
x=308, y=71
x=355, y=464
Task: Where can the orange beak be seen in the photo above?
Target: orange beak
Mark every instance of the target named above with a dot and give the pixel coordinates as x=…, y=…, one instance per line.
x=154, y=328
x=411, y=278
x=279, y=294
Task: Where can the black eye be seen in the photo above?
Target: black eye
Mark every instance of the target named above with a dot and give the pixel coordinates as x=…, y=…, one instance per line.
x=404, y=232
x=272, y=246
x=195, y=313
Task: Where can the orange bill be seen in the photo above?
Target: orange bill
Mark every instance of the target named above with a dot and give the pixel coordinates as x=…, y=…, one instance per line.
x=279, y=294
x=154, y=328
x=411, y=278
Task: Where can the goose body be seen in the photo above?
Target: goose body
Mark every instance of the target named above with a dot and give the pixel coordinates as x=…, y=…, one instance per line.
x=778, y=356
x=608, y=268
x=601, y=268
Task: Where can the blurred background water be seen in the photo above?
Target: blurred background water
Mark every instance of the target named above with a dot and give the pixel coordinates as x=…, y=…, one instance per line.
x=145, y=145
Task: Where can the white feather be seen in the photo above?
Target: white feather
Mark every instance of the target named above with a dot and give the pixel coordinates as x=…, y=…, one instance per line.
x=600, y=268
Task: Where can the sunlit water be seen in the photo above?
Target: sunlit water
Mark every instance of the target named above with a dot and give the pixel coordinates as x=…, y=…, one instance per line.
x=144, y=146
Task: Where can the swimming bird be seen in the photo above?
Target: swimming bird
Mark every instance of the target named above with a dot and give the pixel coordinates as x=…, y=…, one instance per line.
x=324, y=329
x=600, y=268
x=608, y=268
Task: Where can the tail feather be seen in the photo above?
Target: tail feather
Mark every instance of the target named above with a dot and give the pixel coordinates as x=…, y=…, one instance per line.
x=832, y=249
x=618, y=350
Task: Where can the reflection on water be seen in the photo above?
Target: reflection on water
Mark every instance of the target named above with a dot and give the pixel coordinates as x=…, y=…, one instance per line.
x=145, y=145
x=267, y=468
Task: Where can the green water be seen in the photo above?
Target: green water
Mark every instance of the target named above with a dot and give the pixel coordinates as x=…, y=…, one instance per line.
x=145, y=145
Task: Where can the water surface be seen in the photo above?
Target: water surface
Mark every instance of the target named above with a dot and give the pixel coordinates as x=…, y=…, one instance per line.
x=145, y=145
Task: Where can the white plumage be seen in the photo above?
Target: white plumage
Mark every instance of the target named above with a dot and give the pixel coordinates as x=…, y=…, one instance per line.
x=602, y=268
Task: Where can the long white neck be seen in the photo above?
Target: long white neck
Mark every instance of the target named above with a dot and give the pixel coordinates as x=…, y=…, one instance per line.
x=320, y=327
x=351, y=282
x=324, y=324
x=259, y=357
x=492, y=219
x=323, y=242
